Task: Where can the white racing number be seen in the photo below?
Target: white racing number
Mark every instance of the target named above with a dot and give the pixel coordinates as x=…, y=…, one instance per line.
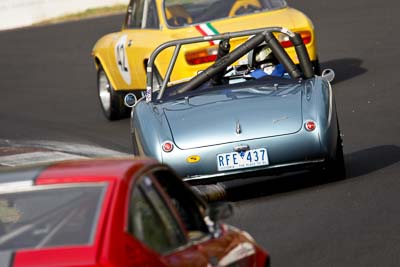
x=122, y=59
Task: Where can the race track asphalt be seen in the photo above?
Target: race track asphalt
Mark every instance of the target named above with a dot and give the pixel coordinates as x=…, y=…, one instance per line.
x=48, y=85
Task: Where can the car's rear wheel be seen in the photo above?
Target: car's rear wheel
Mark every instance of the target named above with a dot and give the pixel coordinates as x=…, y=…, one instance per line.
x=111, y=102
x=336, y=168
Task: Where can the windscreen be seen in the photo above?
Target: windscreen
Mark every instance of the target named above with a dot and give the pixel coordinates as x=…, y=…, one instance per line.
x=186, y=12
x=49, y=216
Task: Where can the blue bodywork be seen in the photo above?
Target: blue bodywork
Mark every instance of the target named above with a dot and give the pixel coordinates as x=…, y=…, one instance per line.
x=209, y=120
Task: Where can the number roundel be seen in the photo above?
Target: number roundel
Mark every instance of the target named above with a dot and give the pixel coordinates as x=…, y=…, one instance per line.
x=122, y=59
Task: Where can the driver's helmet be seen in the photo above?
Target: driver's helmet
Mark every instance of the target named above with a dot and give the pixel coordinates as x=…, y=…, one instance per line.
x=261, y=56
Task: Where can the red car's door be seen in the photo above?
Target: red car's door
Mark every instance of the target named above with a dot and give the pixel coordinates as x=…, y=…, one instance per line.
x=154, y=221
x=220, y=246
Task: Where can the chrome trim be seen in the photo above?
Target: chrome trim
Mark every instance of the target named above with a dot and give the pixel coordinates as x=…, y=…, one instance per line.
x=238, y=127
x=240, y=148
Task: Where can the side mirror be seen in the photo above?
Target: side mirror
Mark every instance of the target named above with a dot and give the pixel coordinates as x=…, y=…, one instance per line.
x=220, y=210
x=130, y=100
x=328, y=74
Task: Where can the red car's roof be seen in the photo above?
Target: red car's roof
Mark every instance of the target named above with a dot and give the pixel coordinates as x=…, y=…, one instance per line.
x=76, y=171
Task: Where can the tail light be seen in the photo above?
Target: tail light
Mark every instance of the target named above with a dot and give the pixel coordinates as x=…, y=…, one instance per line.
x=310, y=126
x=167, y=146
x=200, y=56
x=285, y=41
x=209, y=54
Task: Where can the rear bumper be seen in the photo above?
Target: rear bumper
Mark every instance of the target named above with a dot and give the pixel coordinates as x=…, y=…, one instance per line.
x=286, y=153
x=254, y=172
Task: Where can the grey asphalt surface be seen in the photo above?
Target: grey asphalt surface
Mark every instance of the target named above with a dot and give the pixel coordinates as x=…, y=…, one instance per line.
x=48, y=85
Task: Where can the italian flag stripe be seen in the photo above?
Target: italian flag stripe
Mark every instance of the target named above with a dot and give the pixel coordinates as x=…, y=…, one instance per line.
x=211, y=27
x=207, y=29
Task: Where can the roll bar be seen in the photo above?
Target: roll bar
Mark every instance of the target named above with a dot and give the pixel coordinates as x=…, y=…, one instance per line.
x=259, y=36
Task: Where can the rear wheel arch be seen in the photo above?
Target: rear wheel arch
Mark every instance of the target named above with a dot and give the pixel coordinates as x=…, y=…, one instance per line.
x=99, y=64
x=111, y=102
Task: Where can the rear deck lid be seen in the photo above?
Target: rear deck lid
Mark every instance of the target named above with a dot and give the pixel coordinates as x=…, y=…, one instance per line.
x=233, y=115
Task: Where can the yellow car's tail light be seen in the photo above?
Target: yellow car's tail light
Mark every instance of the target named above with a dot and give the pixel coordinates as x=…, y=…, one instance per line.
x=285, y=42
x=209, y=54
x=200, y=56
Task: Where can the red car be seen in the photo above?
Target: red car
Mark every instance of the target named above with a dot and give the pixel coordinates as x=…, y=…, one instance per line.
x=114, y=212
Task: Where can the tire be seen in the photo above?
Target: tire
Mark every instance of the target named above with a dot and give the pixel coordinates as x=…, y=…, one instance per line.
x=336, y=168
x=111, y=102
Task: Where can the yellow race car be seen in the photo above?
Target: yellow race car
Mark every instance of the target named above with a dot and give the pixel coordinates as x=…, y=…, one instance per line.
x=121, y=57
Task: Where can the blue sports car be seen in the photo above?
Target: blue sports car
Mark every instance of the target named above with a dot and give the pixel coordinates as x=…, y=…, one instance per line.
x=253, y=112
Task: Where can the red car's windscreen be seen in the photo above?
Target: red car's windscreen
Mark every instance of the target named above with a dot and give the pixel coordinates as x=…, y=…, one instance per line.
x=49, y=216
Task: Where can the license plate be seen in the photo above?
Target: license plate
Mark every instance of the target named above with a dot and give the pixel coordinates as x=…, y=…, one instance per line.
x=244, y=159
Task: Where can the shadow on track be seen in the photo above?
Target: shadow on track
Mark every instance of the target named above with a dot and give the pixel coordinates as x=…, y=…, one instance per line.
x=371, y=159
x=345, y=68
x=358, y=163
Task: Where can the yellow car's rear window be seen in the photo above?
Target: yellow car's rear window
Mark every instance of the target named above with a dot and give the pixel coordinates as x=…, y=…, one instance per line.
x=185, y=12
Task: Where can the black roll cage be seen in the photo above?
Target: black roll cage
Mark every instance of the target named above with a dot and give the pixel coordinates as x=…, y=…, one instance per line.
x=259, y=36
